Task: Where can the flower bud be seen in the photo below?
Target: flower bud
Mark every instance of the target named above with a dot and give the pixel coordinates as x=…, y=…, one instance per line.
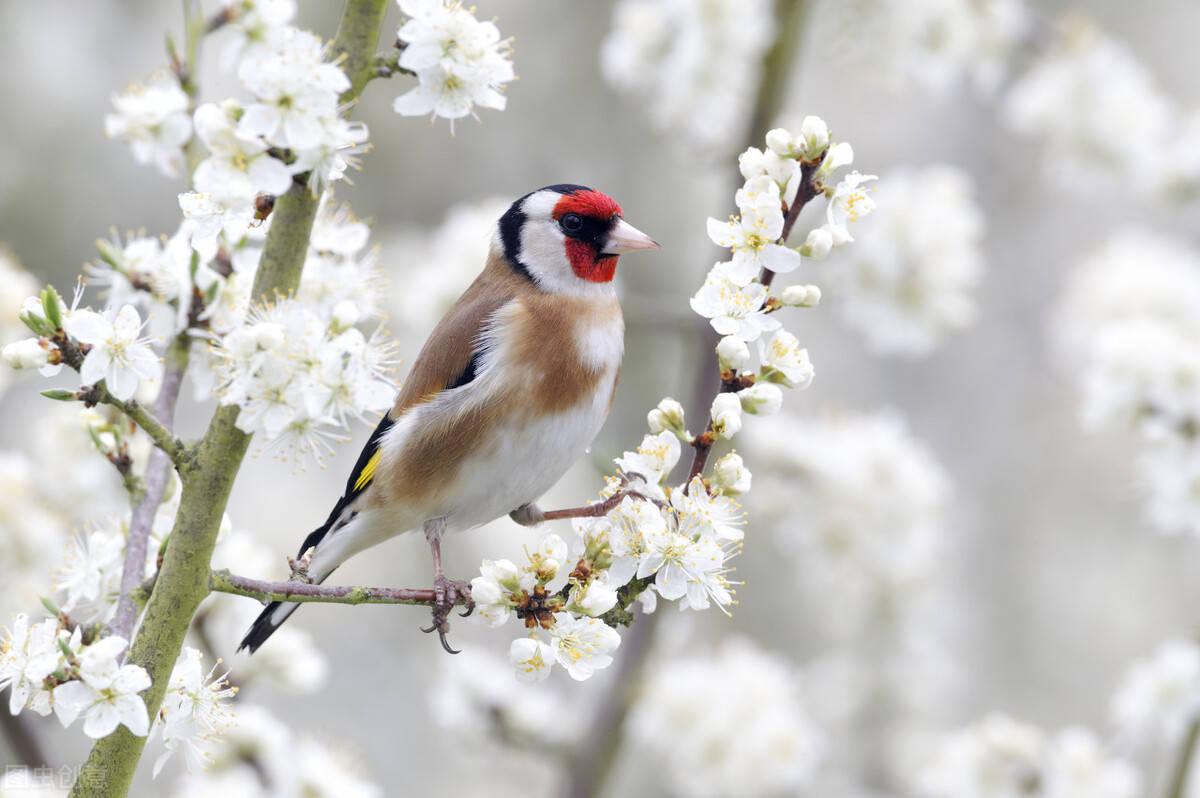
x=730, y=475
x=597, y=598
x=818, y=243
x=780, y=142
x=761, y=397
x=503, y=572
x=801, y=296
x=813, y=138
x=726, y=415
x=26, y=354
x=733, y=354
x=667, y=416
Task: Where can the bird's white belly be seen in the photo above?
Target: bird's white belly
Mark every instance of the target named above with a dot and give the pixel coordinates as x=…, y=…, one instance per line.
x=526, y=460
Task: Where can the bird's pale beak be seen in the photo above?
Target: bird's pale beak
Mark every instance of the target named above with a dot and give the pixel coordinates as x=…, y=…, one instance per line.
x=624, y=237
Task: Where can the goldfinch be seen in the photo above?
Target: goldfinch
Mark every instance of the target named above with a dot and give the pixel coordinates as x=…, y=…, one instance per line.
x=508, y=391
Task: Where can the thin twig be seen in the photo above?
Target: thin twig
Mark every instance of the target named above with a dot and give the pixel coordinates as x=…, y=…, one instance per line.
x=158, y=432
x=224, y=582
x=158, y=475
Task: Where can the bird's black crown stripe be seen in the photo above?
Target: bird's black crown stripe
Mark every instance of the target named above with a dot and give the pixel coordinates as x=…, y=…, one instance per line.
x=510, y=235
x=565, y=188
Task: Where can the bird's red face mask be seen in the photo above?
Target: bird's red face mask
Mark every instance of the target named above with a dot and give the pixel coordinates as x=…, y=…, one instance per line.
x=586, y=218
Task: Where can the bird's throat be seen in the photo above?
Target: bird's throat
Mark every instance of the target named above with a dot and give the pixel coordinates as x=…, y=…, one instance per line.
x=588, y=264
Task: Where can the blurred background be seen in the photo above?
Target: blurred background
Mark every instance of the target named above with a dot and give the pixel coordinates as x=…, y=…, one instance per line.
x=934, y=533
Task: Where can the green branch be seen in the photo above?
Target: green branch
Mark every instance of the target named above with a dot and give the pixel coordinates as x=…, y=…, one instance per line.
x=183, y=580
x=163, y=438
x=225, y=582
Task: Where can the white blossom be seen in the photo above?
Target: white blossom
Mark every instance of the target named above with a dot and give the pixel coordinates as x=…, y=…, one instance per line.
x=296, y=89
x=28, y=654
x=753, y=236
x=729, y=722
x=733, y=354
x=655, y=457
x=106, y=693
x=459, y=61
x=194, y=711
x=733, y=309
x=726, y=414
x=666, y=417
x=532, y=658
x=153, y=118
x=761, y=398
x=581, y=645
x=1103, y=119
x=689, y=64
x=784, y=360
x=934, y=46
x=297, y=379
x=236, y=166
x=1159, y=695
x=252, y=24
x=730, y=475
x=119, y=355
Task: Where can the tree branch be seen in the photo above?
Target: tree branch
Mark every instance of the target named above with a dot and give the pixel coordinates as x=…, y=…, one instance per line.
x=183, y=580
x=225, y=582
x=162, y=436
x=158, y=474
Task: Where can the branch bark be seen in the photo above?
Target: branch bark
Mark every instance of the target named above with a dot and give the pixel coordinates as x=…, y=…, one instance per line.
x=183, y=581
x=158, y=474
x=225, y=582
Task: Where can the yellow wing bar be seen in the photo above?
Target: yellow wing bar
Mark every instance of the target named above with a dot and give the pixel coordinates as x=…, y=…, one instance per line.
x=368, y=471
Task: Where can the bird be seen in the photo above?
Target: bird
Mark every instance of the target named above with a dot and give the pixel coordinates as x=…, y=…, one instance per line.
x=507, y=392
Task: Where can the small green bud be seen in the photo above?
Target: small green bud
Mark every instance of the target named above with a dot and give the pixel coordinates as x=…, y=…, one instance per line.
x=52, y=304
x=110, y=254
x=60, y=395
x=37, y=324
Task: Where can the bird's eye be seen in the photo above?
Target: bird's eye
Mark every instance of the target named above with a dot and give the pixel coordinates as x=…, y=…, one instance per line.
x=571, y=223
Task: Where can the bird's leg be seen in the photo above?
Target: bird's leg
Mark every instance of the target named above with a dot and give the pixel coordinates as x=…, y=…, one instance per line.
x=528, y=515
x=446, y=592
x=531, y=515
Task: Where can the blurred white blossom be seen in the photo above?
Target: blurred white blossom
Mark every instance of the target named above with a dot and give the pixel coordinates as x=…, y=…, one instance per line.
x=932, y=45
x=153, y=118
x=689, y=63
x=1159, y=696
x=999, y=757
x=908, y=280
x=1103, y=118
x=732, y=722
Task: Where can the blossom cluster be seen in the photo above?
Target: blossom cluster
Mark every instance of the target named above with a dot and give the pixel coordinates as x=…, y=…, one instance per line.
x=934, y=46
x=1002, y=756
x=460, y=62
x=1102, y=117
x=731, y=722
x=857, y=506
x=689, y=63
x=48, y=667
x=1128, y=324
x=297, y=376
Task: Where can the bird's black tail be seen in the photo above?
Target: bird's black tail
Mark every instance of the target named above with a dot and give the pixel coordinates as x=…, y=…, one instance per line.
x=276, y=612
